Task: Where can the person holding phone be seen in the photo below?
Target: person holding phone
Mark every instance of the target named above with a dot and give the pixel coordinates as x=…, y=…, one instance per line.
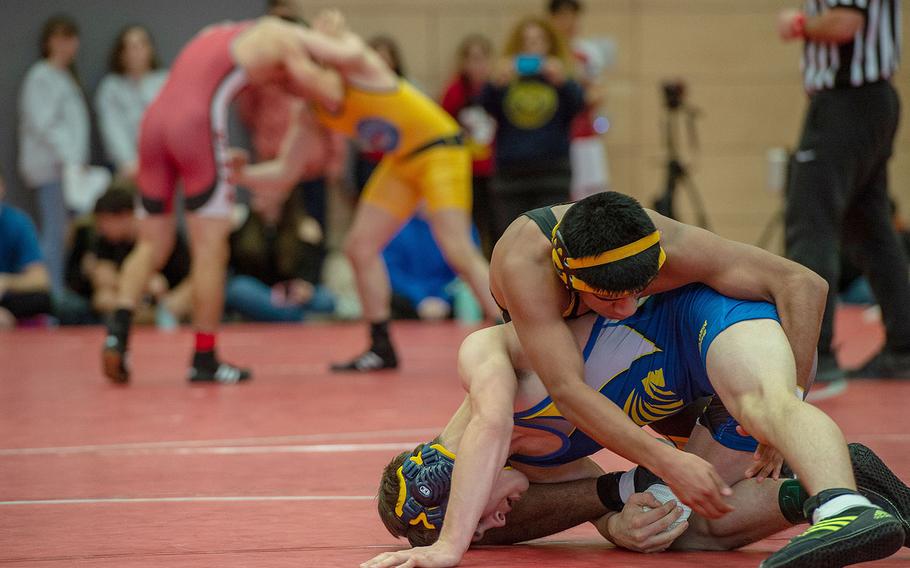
x=533, y=98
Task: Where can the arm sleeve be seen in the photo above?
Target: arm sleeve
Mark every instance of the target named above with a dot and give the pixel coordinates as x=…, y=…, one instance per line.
x=119, y=144
x=40, y=103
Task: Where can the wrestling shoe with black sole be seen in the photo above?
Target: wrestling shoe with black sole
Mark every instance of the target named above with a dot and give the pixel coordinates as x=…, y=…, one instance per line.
x=223, y=373
x=859, y=534
x=113, y=361
x=878, y=484
x=368, y=362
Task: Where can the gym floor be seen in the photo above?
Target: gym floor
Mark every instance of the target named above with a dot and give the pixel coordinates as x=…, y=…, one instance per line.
x=281, y=471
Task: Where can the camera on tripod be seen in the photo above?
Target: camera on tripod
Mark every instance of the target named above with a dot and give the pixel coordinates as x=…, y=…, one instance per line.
x=677, y=110
x=674, y=93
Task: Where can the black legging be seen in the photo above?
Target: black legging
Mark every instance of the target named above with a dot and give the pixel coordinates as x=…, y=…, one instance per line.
x=26, y=304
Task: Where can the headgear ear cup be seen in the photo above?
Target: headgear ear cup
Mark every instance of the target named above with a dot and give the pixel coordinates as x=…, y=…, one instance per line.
x=425, y=483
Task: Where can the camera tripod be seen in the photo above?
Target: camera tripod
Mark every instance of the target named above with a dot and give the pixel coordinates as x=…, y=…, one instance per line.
x=676, y=172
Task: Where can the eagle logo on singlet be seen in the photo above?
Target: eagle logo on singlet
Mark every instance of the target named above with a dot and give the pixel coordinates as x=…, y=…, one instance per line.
x=378, y=135
x=653, y=401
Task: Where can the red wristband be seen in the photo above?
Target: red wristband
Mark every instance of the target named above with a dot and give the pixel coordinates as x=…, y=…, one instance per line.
x=798, y=25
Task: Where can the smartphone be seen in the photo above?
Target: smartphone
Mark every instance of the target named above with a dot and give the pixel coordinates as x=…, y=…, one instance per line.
x=527, y=64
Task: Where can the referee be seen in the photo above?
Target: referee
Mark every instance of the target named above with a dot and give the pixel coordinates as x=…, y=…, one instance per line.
x=838, y=188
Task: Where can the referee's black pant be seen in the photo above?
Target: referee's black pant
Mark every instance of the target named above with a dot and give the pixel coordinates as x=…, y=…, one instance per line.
x=838, y=194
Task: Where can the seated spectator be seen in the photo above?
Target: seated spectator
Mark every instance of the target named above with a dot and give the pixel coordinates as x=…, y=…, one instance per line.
x=420, y=277
x=102, y=243
x=24, y=282
x=276, y=262
x=133, y=81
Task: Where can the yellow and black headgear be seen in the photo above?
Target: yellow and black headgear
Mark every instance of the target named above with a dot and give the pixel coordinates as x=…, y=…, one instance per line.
x=424, y=481
x=567, y=266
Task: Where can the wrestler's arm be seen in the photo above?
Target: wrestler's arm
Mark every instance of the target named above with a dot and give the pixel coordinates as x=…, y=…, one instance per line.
x=285, y=169
x=486, y=369
x=749, y=273
x=487, y=373
x=533, y=297
x=342, y=49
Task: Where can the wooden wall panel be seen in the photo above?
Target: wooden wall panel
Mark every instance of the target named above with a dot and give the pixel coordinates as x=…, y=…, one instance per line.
x=745, y=80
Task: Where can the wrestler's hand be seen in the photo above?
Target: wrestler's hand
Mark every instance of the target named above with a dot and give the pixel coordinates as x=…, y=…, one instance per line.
x=439, y=555
x=768, y=461
x=697, y=484
x=641, y=530
x=237, y=161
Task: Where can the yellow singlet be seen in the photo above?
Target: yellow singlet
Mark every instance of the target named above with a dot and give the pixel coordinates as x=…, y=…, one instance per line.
x=423, y=158
x=394, y=122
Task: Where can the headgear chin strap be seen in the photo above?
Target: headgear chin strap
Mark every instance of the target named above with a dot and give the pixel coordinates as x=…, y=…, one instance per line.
x=566, y=266
x=424, y=481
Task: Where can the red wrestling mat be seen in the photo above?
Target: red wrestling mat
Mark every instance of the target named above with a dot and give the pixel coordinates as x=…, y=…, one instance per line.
x=280, y=471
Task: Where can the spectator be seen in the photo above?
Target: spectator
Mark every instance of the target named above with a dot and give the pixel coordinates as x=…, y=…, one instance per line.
x=461, y=98
x=587, y=151
x=53, y=134
x=534, y=100
x=133, y=80
x=103, y=242
x=838, y=190
x=276, y=262
x=421, y=278
x=266, y=110
x=24, y=285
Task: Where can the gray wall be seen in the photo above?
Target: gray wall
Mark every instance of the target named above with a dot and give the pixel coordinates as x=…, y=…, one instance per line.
x=172, y=23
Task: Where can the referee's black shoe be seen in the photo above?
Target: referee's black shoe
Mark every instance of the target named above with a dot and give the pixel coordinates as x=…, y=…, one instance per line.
x=878, y=484
x=859, y=534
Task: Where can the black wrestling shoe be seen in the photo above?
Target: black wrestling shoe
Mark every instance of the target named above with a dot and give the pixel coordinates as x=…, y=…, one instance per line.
x=367, y=362
x=221, y=373
x=886, y=364
x=859, y=534
x=878, y=484
x=113, y=360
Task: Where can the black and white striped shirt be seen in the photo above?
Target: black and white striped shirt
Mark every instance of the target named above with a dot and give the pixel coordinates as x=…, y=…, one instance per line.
x=872, y=55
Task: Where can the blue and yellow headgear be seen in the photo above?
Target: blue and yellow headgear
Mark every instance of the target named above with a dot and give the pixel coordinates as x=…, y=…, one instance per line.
x=424, y=481
x=566, y=266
